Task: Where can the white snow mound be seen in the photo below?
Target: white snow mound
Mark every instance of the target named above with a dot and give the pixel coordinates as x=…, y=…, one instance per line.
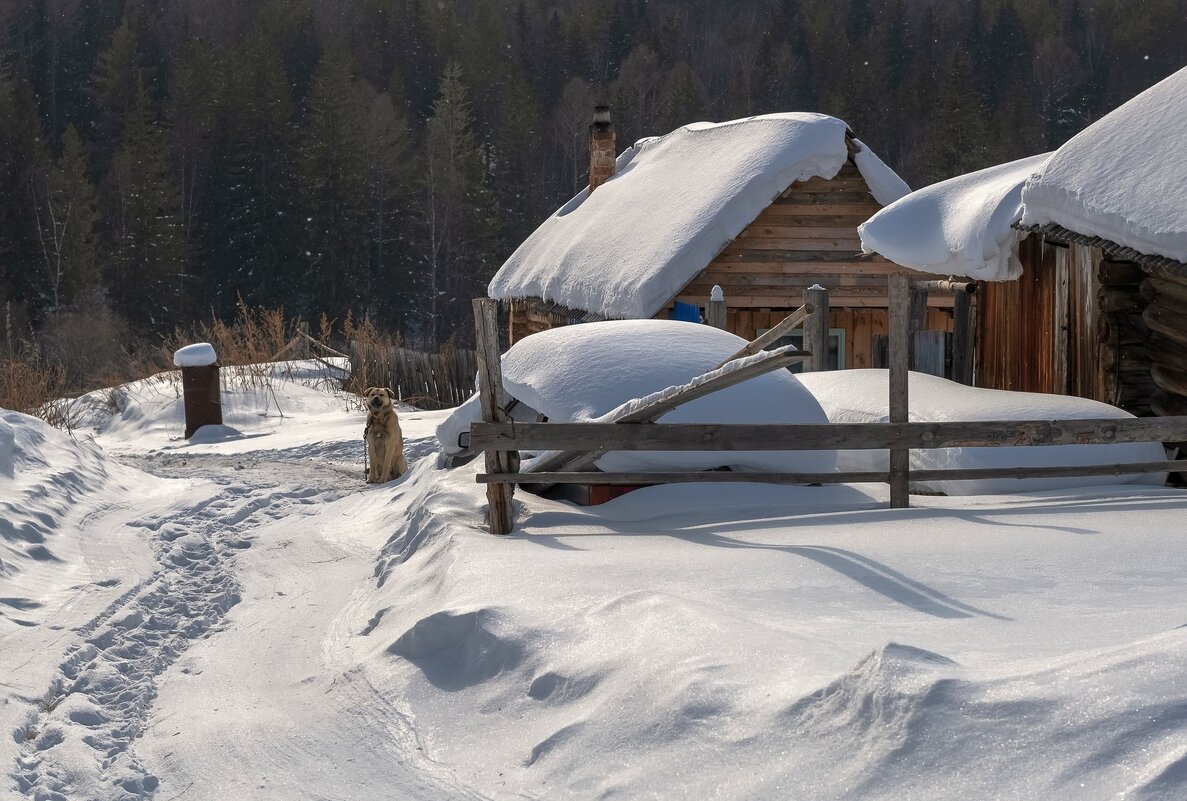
x=1123, y=178
x=675, y=201
x=861, y=396
x=586, y=372
x=961, y=226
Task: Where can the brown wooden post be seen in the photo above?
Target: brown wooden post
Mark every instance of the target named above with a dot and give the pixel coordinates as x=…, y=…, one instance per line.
x=899, y=403
x=490, y=390
x=917, y=320
x=200, y=386
x=715, y=311
x=816, y=329
x=962, y=338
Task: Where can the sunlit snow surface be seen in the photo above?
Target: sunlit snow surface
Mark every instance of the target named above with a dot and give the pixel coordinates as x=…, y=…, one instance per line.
x=253, y=621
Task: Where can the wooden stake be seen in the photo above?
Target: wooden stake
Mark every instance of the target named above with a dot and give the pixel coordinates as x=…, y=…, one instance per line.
x=490, y=389
x=899, y=335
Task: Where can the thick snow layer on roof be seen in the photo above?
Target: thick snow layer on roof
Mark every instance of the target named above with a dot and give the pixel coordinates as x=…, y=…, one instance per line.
x=1124, y=178
x=961, y=226
x=860, y=396
x=674, y=203
x=200, y=354
x=584, y=372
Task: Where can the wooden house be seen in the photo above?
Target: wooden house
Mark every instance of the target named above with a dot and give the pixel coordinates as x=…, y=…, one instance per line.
x=1082, y=254
x=763, y=207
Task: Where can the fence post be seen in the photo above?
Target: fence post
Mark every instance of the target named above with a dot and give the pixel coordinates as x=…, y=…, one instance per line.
x=715, y=311
x=816, y=338
x=900, y=346
x=490, y=390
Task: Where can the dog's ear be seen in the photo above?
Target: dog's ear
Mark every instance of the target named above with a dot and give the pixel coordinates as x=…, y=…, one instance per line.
x=389, y=392
x=369, y=391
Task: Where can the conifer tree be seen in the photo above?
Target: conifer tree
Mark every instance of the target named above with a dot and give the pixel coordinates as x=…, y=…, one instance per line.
x=454, y=205
x=146, y=261
x=333, y=176
x=67, y=213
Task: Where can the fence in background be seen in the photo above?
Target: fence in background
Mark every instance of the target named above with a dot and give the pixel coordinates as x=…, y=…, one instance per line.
x=428, y=380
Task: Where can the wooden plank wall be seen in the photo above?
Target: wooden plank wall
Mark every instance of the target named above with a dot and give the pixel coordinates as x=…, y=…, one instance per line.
x=861, y=326
x=808, y=235
x=1016, y=332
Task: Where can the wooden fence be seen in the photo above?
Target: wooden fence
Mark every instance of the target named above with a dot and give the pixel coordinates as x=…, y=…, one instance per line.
x=428, y=380
x=576, y=446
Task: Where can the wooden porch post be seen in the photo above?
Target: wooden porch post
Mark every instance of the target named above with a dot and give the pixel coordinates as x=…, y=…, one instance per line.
x=962, y=338
x=715, y=313
x=900, y=346
x=816, y=329
x=490, y=389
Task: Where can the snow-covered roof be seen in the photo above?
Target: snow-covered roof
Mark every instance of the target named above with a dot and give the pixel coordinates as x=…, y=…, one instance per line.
x=961, y=226
x=674, y=202
x=1124, y=178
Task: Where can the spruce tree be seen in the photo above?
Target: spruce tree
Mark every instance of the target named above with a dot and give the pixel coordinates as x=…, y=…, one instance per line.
x=333, y=177
x=67, y=213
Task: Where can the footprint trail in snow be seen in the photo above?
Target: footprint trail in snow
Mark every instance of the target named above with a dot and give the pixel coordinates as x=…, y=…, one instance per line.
x=80, y=741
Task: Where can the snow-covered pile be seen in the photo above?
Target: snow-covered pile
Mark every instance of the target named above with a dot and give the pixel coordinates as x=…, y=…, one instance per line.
x=586, y=372
x=674, y=203
x=962, y=226
x=1123, y=178
x=861, y=396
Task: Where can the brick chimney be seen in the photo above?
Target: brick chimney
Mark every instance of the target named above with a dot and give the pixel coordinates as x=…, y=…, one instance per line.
x=601, y=148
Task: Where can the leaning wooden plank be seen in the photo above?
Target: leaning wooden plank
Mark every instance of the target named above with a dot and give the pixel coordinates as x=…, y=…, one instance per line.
x=823, y=436
x=780, y=330
x=703, y=477
x=645, y=410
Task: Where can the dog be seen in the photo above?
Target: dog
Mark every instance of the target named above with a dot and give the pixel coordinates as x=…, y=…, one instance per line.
x=385, y=441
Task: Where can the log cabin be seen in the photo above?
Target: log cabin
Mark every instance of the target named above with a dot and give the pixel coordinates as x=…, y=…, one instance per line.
x=1082, y=255
x=764, y=207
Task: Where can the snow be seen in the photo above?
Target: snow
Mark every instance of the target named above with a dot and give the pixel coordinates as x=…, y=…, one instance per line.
x=1124, y=178
x=961, y=226
x=885, y=184
x=861, y=396
x=601, y=371
x=675, y=201
x=246, y=619
x=200, y=354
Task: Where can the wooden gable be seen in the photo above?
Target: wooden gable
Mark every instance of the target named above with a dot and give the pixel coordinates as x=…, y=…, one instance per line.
x=808, y=235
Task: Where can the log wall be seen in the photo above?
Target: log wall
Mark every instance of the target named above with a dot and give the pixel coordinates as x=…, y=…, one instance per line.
x=1165, y=315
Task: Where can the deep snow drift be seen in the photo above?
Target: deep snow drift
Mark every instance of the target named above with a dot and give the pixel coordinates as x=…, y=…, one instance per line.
x=255, y=622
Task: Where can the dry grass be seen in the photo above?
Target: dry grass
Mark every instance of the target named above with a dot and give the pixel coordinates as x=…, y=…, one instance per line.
x=44, y=380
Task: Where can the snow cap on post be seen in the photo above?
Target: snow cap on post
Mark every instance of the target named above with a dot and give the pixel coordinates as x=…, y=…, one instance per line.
x=200, y=354
x=716, y=293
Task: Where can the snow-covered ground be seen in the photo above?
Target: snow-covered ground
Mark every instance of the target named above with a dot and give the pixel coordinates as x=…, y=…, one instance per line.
x=244, y=618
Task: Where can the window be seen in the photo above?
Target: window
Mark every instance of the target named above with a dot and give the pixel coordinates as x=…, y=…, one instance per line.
x=836, y=346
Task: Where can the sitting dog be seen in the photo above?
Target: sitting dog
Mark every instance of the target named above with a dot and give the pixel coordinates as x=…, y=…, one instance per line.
x=385, y=441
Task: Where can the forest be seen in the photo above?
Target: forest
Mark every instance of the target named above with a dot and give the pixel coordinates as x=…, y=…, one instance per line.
x=163, y=160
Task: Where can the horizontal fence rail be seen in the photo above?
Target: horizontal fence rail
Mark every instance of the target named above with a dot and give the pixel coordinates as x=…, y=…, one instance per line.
x=603, y=437
x=823, y=436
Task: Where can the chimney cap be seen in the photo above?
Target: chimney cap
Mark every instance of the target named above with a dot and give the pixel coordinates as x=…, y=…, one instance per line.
x=601, y=115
